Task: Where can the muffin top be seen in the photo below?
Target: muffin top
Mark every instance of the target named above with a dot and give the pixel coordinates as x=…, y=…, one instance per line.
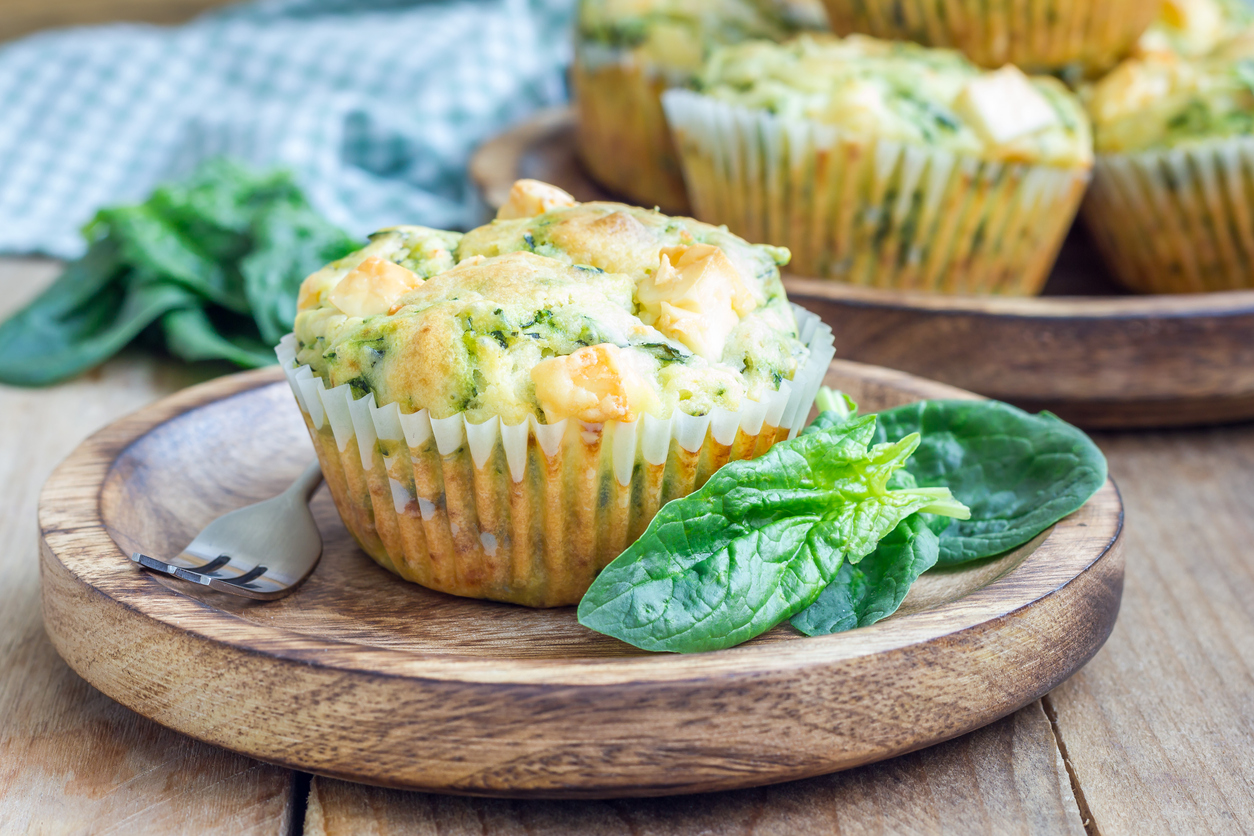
x=1195, y=27
x=901, y=91
x=1164, y=100
x=676, y=36
x=556, y=309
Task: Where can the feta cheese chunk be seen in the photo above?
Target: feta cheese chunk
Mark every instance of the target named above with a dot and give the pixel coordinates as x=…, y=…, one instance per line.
x=1188, y=27
x=595, y=384
x=1004, y=105
x=860, y=106
x=372, y=288
x=696, y=296
x=419, y=249
x=528, y=198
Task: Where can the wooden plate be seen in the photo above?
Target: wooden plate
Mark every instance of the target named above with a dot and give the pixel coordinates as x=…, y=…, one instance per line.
x=1087, y=350
x=363, y=676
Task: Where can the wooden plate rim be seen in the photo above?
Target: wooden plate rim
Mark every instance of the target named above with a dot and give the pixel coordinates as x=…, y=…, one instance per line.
x=1162, y=306
x=74, y=534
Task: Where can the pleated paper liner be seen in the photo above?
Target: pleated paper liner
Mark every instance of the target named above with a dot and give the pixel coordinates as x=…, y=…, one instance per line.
x=1086, y=37
x=1177, y=221
x=873, y=212
x=528, y=513
x=623, y=139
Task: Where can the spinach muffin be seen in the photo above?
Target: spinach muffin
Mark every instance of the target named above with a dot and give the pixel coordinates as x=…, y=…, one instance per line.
x=1075, y=38
x=1173, y=185
x=886, y=163
x=1195, y=27
x=628, y=51
x=498, y=414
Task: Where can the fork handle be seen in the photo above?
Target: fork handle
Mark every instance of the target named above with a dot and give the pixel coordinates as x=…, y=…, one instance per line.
x=307, y=482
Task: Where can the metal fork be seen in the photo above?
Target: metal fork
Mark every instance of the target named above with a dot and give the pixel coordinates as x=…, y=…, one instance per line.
x=260, y=551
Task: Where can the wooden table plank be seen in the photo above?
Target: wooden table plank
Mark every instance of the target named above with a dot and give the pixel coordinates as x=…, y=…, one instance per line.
x=21, y=17
x=1007, y=778
x=71, y=759
x=1160, y=726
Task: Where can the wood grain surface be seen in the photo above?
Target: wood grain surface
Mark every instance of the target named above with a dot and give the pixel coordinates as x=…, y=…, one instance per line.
x=71, y=759
x=1097, y=359
x=1165, y=714
x=20, y=17
x=1007, y=778
x=506, y=700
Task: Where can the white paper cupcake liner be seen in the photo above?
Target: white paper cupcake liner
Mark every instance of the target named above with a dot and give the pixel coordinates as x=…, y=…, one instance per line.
x=1177, y=221
x=873, y=212
x=527, y=513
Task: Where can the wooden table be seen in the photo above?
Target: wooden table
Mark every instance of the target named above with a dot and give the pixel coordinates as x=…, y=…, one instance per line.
x=1155, y=735
x=20, y=17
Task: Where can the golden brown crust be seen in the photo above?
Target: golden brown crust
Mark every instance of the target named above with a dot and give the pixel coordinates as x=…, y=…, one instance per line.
x=531, y=288
x=606, y=237
x=442, y=358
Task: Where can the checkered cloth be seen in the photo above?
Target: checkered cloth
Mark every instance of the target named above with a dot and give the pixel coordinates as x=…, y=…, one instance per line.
x=375, y=104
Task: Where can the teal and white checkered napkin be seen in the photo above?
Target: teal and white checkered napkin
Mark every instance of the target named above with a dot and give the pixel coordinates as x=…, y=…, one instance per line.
x=376, y=104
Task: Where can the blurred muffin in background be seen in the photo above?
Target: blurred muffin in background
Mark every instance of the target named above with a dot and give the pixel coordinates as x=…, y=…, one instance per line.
x=628, y=51
x=886, y=163
x=1075, y=38
x=1195, y=27
x=1172, y=203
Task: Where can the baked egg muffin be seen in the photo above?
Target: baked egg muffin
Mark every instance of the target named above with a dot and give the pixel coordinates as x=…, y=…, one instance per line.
x=1195, y=27
x=1165, y=100
x=886, y=163
x=628, y=51
x=1169, y=207
x=526, y=396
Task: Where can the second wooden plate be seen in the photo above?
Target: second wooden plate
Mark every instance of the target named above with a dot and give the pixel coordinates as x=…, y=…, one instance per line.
x=1094, y=355
x=363, y=676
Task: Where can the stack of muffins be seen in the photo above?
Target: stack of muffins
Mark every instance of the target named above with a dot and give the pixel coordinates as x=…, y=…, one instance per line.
x=628, y=51
x=941, y=145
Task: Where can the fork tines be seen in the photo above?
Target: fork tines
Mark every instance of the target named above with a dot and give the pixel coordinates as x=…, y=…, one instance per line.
x=205, y=574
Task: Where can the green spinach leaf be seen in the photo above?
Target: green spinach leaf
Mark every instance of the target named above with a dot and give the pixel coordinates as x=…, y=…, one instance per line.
x=152, y=242
x=1018, y=473
x=66, y=331
x=218, y=259
x=289, y=241
x=190, y=335
x=217, y=206
x=758, y=543
x=873, y=589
